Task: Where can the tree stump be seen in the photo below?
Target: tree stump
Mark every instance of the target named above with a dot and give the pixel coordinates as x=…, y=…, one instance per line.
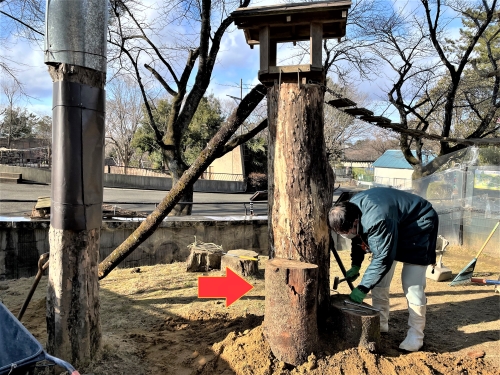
x=355, y=325
x=241, y=266
x=201, y=260
x=290, y=321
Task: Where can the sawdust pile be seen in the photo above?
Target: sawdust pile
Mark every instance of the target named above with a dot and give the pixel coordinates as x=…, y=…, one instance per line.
x=249, y=353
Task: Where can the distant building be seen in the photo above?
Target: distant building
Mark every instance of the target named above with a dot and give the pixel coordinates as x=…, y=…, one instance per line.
x=392, y=169
x=229, y=167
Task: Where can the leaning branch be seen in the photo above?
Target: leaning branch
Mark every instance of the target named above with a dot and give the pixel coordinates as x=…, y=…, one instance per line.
x=236, y=141
x=214, y=146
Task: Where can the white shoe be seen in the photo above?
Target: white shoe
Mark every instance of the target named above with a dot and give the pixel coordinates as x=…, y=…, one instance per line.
x=380, y=300
x=415, y=336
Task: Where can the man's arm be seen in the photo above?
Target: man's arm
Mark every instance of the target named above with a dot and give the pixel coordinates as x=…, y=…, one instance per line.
x=357, y=252
x=382, y=240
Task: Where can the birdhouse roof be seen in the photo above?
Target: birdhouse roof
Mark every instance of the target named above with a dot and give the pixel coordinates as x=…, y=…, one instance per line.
x=291, y=22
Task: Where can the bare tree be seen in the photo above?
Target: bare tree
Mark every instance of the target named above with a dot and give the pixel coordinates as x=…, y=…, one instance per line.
x=123, y=116
x=21, y=20
x=412, y=43
x=12, y=93
x=341, y=128
x=153, y=50
x=216, y=147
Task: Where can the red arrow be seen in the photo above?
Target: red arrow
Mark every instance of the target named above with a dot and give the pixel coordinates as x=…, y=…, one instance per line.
x=231, y=287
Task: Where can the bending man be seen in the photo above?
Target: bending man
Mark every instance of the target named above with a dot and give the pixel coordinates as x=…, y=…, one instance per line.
x=393, y=225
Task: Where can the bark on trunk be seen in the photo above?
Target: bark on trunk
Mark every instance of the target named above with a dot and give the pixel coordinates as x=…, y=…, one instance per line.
x=177, y=169
x=300, y=180
x=290, y=320
x=73, y=324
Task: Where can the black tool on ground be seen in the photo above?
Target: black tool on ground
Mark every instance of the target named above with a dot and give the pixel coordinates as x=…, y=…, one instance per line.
x=20, y=351
x=339, y=261
x=337, y=281
x=344, y=196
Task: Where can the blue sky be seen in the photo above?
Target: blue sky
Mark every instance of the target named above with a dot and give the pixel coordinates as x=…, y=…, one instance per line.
x=235, y=61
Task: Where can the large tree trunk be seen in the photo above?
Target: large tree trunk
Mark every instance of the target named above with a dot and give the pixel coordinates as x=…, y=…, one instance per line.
x=300, y=180
x=73, y=324
x=177, y=168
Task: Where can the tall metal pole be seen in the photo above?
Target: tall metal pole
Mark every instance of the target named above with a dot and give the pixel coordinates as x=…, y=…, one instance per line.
x=75, y=51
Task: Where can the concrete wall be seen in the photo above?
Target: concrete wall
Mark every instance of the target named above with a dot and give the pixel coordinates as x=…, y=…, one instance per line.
x=21, y=243
x=134, y=182
x=31, y=174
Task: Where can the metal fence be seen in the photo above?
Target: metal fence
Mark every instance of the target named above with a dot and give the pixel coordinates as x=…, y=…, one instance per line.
x=222, y=176
x=38, y=157
x=134, y=171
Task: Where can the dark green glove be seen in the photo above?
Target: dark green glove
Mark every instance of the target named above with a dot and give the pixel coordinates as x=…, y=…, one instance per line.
x=357, y=295
x=353, y=273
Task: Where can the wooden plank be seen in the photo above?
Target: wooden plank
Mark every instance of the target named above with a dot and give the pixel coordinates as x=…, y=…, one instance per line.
x=273, y=51
x=43, y=202
x=377, y=119
x=341, y=102
x=358, y=112
x=290, y=8
x=316, y=40
x=292, y=68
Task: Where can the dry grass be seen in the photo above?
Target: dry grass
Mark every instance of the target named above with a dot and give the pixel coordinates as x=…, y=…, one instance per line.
x=154, y=322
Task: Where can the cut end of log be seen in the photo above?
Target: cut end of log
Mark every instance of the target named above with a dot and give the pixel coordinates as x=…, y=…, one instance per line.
x=355, y=326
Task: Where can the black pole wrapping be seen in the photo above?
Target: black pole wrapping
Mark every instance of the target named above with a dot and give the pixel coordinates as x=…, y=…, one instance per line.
x=78, y=156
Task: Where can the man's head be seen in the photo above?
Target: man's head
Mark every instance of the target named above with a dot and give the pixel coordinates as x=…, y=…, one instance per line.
x=344, y=218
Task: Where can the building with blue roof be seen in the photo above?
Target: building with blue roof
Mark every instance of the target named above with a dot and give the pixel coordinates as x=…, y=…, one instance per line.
x=392, y=169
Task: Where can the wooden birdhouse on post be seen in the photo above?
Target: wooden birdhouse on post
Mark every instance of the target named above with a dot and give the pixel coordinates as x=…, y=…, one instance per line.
x=268, y=26
x=300, y=180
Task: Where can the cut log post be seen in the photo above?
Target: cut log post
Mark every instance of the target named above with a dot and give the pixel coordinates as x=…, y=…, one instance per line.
x=301, y=181
x=236, y=260
x=358, y=327
x=201, y=260
x=290, y=321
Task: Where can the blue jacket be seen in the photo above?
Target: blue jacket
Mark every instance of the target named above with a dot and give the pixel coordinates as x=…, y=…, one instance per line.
x=395, y=225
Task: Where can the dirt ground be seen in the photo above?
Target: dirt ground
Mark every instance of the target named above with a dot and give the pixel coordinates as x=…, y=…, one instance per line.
x=154, y=323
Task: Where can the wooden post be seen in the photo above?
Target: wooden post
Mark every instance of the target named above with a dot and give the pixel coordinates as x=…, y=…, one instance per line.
x=316, y=42
x=300, y=187
x=290, y=323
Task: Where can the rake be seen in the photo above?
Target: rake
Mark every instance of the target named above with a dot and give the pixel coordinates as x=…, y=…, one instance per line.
x=465, y=275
